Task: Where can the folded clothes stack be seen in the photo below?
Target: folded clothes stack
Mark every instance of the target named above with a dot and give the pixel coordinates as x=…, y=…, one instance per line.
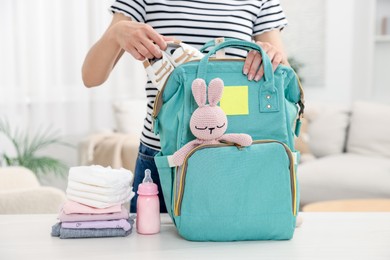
x=95, y=203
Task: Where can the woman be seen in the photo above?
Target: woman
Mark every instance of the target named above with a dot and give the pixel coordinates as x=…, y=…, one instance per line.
x=142, y=27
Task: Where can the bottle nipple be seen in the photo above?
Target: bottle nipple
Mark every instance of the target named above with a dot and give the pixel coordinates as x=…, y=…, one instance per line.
x=147, y=187
x=147, y=178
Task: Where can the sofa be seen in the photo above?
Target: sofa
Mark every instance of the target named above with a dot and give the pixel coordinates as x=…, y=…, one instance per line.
x=21, y=193
x=345, y=149
x=118, y=147
x=114, y=149
x=345, y=152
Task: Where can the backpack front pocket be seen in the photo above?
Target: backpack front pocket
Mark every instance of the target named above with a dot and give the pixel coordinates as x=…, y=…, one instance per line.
x=223, y=192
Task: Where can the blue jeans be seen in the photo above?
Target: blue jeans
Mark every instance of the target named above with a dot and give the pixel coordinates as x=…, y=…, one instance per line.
x=145, y=160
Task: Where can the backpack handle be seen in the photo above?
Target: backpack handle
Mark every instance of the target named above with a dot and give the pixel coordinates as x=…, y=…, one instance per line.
x=267, y=65
x=211, y=43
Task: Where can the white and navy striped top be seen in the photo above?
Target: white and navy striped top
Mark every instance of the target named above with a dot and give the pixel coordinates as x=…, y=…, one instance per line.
x=196, y=22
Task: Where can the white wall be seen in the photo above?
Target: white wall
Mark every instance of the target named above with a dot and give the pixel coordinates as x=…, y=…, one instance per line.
x=335, y=27
x=363, y=50
x=304, y=39
x=42, y=48
x=355, y=65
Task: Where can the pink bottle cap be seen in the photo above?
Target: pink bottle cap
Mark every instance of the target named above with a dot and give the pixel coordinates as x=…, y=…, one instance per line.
x=147, y=189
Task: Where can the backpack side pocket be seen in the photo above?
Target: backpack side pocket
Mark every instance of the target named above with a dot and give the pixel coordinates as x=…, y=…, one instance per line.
x=166, y=174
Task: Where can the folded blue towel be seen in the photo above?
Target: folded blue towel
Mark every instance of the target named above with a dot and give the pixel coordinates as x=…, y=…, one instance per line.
x=63, y=233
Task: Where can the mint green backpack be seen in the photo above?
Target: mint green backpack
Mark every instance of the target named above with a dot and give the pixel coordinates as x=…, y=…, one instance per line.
x=224, y=192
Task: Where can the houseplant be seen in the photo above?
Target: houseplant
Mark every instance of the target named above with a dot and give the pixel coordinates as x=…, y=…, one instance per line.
x=27, y=147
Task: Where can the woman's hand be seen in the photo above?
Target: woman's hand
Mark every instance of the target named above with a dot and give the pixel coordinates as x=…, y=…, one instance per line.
x=253, y=63
x=139, y=39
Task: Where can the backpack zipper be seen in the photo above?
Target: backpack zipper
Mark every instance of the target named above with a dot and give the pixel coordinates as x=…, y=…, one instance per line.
x=179, y=197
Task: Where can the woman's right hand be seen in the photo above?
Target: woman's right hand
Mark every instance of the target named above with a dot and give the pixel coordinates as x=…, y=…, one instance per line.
x=139, y=39
x=123, y=34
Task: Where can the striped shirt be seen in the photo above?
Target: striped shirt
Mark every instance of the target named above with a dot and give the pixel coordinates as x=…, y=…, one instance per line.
x=196, y=22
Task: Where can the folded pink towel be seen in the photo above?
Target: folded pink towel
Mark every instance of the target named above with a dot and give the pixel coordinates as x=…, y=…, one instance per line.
x=93, y=217
x=119, y=223
x=71, y=207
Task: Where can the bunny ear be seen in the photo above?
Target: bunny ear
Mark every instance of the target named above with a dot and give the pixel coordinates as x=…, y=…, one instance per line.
x=215, y=91
x=199, y=91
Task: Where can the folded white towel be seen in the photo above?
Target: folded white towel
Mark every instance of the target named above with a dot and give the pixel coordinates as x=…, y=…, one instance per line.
x=74, y=185
x=98, y=204
x=108, y=198
x=101, y=176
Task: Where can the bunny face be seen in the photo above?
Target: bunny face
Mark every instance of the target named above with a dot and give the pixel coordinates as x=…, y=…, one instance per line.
x=208, y=122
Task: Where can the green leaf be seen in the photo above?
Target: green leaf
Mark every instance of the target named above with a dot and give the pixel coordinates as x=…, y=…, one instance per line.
x=45, y=165
x=27, y=146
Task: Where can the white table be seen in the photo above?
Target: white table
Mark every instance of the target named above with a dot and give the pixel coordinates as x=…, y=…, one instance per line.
x=321, y=236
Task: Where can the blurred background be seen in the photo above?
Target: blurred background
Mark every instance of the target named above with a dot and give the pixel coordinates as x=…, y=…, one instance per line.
x=341, y=50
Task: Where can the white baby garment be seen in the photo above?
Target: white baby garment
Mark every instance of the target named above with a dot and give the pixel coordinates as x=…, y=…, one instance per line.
x=96, y=189
x=109, y=198
x=98, y=204
x=101, y=176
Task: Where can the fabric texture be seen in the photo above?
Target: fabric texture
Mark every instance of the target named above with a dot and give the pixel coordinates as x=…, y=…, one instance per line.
x=98, y=203
x=113, y=198
x=41, y=200
x=16, y=177
x=268, y=100
x=197, y=22
x=93, y=216
x=208, y=122
x=64, y=233
x=116, y=151
x=119, y=223
x=21, y=193
x=368, y=135
x=344, y=176
x=101, y=176
x=87, y=147
x=270, y=16
x=327, y=128
x=249, y=191
x=128, y=118
x=252, y=190
x=110, y=149
x=79, y=186
x=71, y=207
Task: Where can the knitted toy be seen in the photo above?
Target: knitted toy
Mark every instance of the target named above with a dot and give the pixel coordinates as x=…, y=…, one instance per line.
x=208, y=122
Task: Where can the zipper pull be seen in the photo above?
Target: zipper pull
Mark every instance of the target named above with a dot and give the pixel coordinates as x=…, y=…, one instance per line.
x=298, y=127
x=155, y=126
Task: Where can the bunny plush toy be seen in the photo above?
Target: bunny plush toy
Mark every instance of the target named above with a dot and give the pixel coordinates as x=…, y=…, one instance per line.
x=208, y=122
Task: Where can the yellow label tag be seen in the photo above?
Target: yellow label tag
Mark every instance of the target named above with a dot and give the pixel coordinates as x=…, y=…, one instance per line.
x=234, y=100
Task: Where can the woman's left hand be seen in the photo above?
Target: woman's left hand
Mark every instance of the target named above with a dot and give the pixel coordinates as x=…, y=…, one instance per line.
x=253, y=63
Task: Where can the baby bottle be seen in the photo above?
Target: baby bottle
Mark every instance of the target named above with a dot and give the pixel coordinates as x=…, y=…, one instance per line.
x=148, y=207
